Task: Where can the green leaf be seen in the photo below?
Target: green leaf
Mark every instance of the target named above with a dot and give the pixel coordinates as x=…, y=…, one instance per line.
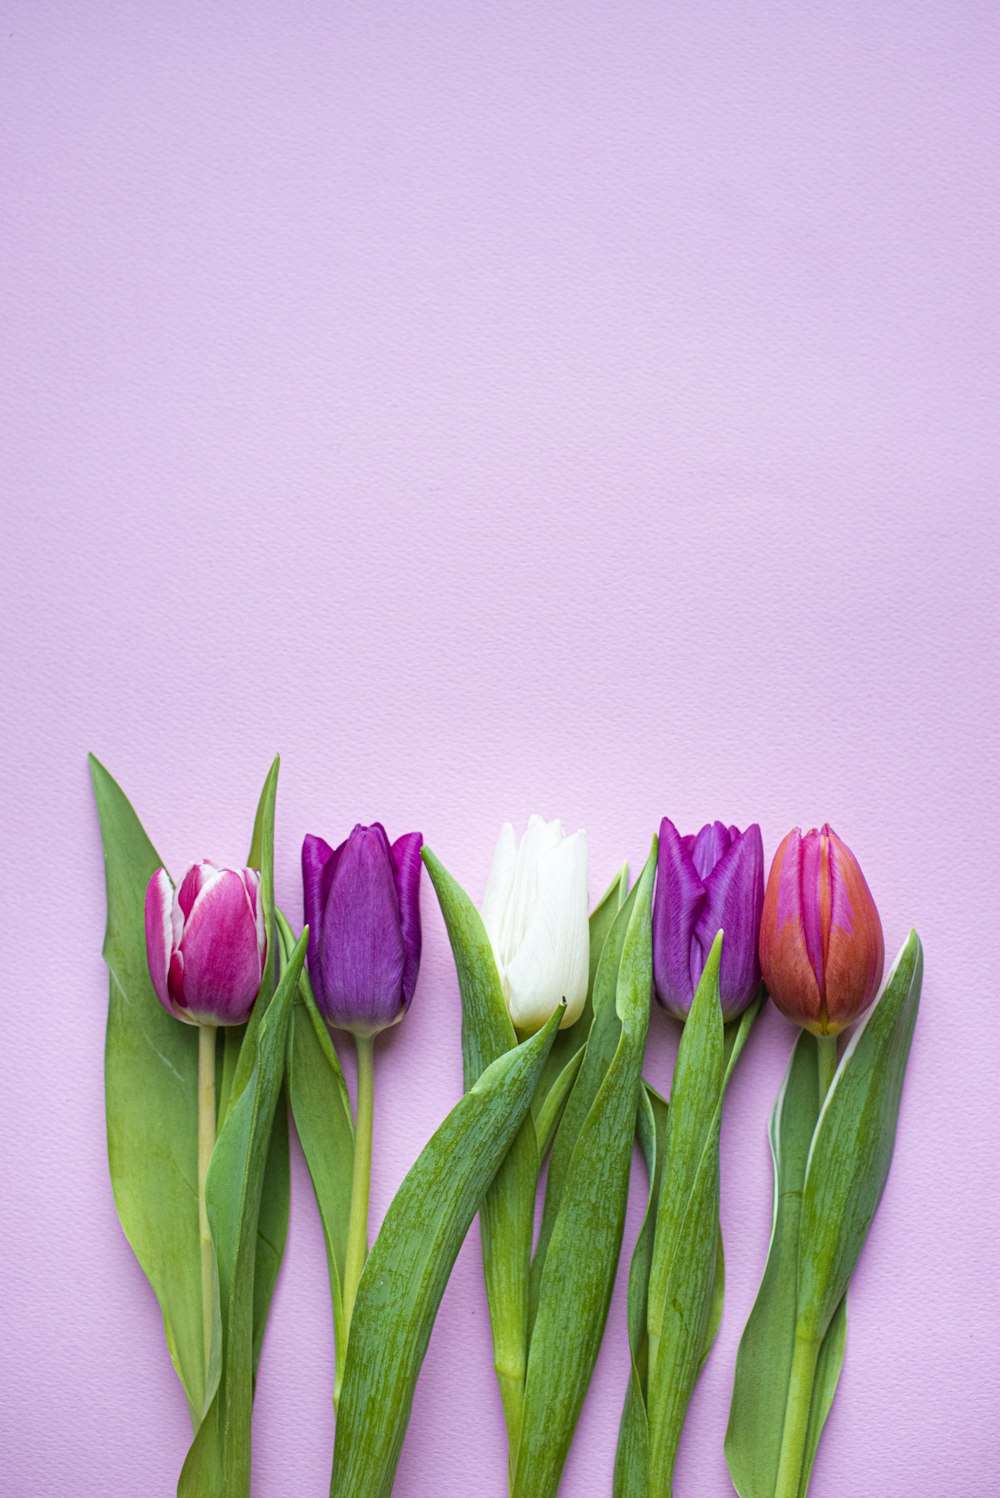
x=409, y=1264
x=272, y=1229
x=507, y=1212
x=151, y=1083
x=322, y=1112
x=687, y=1280
x=585, y=1242
x=830, y=1168
x=853, y=1143
x=602, y=1045
x=550, y=1111
x=218, y=1464
x=631, y=1476
x=763, y=1363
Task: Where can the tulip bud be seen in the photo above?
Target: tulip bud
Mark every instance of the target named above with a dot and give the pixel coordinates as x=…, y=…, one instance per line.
x=821, y=945
x=535, y=914
x=362, y=905
x=706, y=884
x=206, y=943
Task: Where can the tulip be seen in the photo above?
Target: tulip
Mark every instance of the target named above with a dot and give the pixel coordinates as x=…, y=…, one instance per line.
x=705, y=884
x=206, y=943
x=362, y=904
x=535, y=914
x=821, y=945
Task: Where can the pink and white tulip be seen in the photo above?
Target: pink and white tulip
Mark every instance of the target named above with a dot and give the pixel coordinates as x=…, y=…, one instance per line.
x=206, y=943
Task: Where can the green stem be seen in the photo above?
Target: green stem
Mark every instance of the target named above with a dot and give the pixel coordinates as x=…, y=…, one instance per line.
x=793, y=1438
x=206, y=1144
x=827, y=1062
x=806, y=1351
x=357, y=1230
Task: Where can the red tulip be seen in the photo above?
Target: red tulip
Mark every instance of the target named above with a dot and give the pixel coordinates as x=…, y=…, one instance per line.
x=821, y=945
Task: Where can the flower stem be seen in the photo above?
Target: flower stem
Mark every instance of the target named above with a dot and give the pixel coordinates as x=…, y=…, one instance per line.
x=806, y=1351
x=206, y=1144
x=793, y=1438
x=357, y=1231
x=827, y=1062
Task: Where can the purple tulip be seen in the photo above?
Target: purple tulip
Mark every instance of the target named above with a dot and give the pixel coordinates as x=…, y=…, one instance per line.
x=362, y=904
x=206, y=943
x=706, y=884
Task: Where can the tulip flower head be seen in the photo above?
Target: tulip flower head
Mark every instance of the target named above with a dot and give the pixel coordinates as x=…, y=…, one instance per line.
x=705, y=884
x=206, y=943
x=362, y=906
x=535, y=914
x=821, y=944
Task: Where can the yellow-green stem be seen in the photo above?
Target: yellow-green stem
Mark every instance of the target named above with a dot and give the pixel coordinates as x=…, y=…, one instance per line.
x=206, y=1144
x=827, y=1063
x=793, y=1437
x=357, y=1230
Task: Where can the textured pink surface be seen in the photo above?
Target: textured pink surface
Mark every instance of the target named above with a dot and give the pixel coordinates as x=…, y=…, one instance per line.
x=568, y=407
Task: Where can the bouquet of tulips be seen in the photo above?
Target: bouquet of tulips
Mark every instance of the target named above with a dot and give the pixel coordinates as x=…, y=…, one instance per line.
x=223, y=1026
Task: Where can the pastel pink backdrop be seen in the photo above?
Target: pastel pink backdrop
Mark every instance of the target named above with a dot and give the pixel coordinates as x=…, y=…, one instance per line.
x=572, y=407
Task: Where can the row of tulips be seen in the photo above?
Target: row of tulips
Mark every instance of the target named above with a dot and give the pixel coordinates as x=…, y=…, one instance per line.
x=819, y=945
x=555, y=1010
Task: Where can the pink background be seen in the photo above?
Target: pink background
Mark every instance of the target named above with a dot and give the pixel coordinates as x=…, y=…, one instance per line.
x=574, y=407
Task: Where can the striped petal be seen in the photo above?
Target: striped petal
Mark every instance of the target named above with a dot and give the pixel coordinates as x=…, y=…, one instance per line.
x=222, y=958
x=159, y=933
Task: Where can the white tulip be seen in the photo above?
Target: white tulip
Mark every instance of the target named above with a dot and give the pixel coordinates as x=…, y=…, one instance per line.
x=535, y=914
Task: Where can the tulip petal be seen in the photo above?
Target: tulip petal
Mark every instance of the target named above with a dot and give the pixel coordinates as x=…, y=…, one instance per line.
x=538, y=839
x=222, y=960
x=191, y=886
x=784, y=955
x=159, y=932
x=677, y=903
x=711, y=843
x=856, y=947
x=499, y=888
x=734, y=898
x=251, y=882
x=552, y=960
x=362, y=956
x=406, y=861
x=316, y=854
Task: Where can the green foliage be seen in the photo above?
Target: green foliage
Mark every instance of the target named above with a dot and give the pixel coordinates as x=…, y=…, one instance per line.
x=830, y=1167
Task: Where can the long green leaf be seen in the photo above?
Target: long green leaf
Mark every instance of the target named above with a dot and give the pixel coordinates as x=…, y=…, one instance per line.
x=602, y=1046
x=507, y=1215
x=322, y=1112
x=763, y=1363
x=830, y=1169
x=853, y=1143
x=409, y=1264
x=507, y=1212
x=151, y=1086
x=687, y=1279
x=218, y=1464
x=582, y=1254
x=631, y=1475
x=272, y=1227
